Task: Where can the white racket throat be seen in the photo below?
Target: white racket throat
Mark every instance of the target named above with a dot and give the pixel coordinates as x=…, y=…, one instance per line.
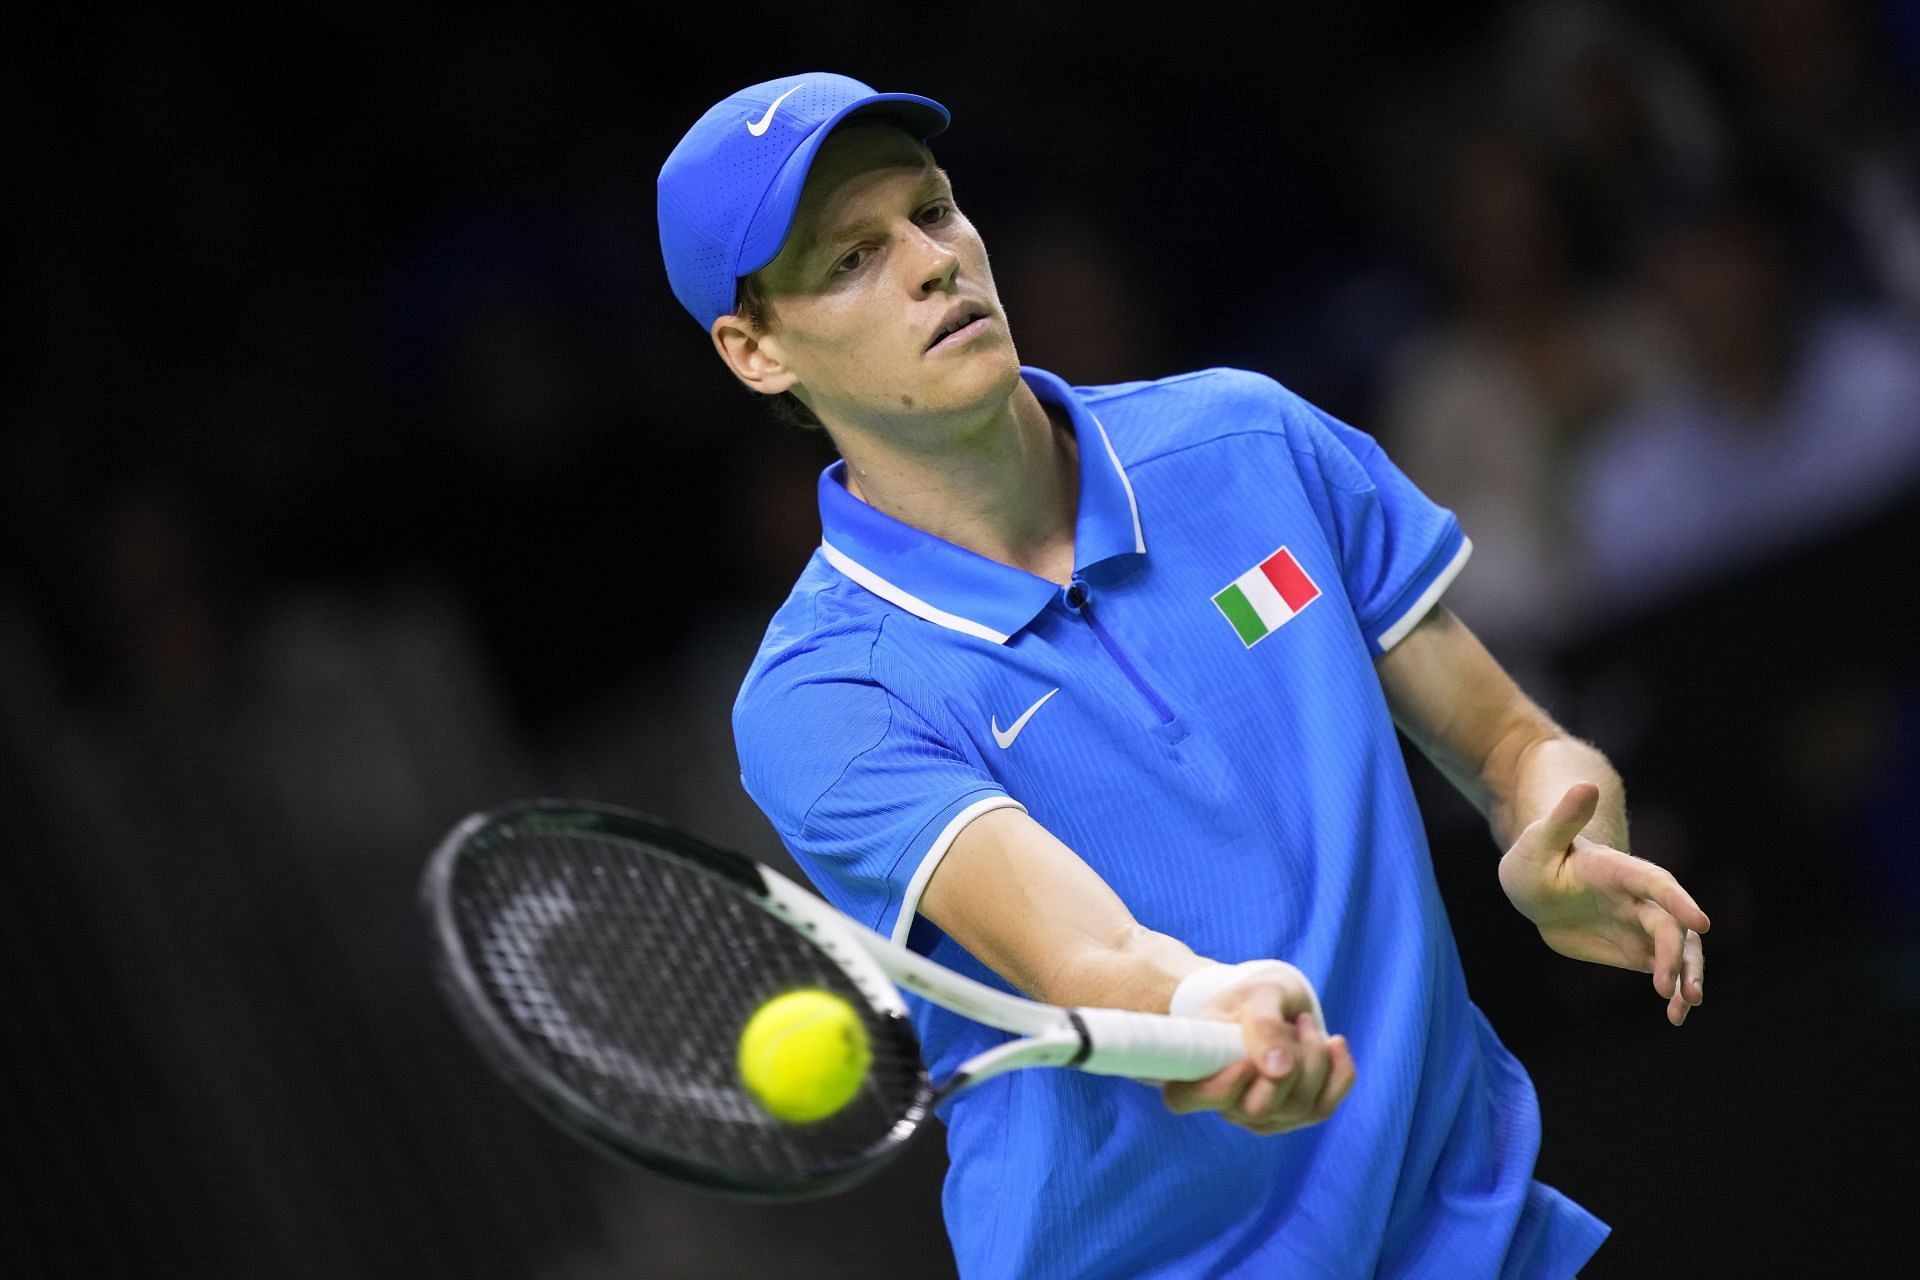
x=1115, y=1042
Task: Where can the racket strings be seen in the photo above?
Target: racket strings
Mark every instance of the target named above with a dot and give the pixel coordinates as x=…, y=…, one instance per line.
x=628, y=975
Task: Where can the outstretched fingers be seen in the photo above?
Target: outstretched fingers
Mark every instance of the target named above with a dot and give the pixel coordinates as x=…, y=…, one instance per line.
x=1667, y=937
x=1673, y=923
x=1693, y=979
x=1650, y=880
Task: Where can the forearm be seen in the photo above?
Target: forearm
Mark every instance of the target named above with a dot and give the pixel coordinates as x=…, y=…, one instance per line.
x=1033, y=912
x=1136, y=971
x=1502, y=750
x=1522, y=783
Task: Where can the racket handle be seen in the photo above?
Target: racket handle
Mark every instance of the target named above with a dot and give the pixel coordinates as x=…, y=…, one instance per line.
x=1153, y=1046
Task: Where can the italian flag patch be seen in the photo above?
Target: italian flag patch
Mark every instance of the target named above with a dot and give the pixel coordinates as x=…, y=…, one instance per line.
x=1263, y=597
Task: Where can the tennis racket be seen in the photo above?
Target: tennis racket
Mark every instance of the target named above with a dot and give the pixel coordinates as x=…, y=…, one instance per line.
x=606, y=963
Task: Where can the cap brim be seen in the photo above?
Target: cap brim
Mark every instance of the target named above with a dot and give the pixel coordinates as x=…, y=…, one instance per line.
x=767, y=233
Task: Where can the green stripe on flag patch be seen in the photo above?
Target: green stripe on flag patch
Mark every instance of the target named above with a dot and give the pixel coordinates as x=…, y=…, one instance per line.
x=1233, y=603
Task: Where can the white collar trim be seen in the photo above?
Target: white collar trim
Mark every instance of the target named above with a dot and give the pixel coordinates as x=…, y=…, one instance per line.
x=905, y=599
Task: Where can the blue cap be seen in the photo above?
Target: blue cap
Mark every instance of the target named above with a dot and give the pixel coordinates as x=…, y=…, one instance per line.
x=729, y=190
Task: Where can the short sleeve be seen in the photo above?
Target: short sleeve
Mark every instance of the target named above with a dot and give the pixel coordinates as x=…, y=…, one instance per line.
x=866, y=793
x=1398, y=548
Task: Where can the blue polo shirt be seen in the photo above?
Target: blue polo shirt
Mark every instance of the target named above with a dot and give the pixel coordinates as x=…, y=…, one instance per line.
x=1198, y=716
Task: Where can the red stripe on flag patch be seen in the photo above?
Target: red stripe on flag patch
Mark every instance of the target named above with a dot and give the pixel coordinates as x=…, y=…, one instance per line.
x=1289, y=579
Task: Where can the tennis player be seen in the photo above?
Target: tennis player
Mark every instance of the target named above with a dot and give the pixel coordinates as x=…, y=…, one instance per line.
x=1091, y=692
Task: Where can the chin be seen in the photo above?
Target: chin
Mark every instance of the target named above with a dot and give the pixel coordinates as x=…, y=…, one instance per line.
x=986, y=379
x=971, y=402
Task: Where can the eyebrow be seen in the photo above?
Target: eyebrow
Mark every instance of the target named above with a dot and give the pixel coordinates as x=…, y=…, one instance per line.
x=840, y=232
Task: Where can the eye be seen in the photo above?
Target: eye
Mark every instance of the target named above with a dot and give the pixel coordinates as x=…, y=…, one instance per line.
x=935, y=212
x=852, y=262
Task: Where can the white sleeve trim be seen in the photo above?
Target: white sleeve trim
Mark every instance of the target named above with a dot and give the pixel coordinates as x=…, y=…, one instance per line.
x=938, y=850
x=1394, y=634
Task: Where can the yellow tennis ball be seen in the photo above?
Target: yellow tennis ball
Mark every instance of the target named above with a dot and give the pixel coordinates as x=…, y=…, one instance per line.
x=804, y=1054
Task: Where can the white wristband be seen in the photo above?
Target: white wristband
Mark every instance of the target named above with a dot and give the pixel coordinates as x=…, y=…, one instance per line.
x=1199, y=988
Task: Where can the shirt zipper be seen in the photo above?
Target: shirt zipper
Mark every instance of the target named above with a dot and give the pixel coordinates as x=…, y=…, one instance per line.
x=1080, y=600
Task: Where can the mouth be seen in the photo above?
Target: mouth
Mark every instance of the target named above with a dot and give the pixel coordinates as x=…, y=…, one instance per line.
x=962, y=324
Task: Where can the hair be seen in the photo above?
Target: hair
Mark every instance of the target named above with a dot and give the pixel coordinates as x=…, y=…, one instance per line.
x=753, y=306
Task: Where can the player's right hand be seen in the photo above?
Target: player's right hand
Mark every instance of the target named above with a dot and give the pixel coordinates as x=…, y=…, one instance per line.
x=1294, y=1073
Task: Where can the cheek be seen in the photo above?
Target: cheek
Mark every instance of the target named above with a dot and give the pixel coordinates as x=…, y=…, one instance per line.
x=973, y=253
x=849, y=349
x=819, y=336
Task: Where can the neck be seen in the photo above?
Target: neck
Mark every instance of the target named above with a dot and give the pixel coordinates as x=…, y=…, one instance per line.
x=1007, y=488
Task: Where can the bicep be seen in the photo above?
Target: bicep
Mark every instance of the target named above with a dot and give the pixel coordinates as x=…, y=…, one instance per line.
x=1456, y=703
x=1023, y=903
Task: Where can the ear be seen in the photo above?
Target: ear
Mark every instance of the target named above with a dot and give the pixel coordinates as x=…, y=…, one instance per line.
x=754, y=356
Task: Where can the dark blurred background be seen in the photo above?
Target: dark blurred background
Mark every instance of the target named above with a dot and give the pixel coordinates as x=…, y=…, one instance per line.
x=358, y=470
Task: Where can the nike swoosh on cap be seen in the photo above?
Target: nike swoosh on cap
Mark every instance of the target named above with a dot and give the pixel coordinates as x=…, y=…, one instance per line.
x=759, y=127
x=1006, y=736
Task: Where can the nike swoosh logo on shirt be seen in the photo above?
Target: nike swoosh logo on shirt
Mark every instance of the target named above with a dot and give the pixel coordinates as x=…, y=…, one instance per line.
x=759, y=127
x=1006, y=736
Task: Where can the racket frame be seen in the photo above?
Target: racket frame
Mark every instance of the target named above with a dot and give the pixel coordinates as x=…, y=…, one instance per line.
x=1102, y=1041
x=559, y=1100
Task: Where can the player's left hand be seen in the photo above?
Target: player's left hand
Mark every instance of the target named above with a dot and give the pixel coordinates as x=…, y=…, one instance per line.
x=1595, y=903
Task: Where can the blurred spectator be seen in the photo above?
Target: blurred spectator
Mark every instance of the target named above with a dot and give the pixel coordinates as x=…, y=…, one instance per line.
x=1783, y=425
x=1820, y=104
x=1628, y=126
x=541, y=482
x=242, y=795
x=1485, y=411
x=1881, y=823
x=662, y=741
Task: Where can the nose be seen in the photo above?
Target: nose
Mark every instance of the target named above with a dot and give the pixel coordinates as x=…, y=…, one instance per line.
x=938, y=264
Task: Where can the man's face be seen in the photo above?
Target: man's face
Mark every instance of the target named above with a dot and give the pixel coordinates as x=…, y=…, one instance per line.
x=879, y=265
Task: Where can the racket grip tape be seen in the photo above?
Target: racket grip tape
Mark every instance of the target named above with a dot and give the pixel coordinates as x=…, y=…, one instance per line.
x=1153, y=1046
